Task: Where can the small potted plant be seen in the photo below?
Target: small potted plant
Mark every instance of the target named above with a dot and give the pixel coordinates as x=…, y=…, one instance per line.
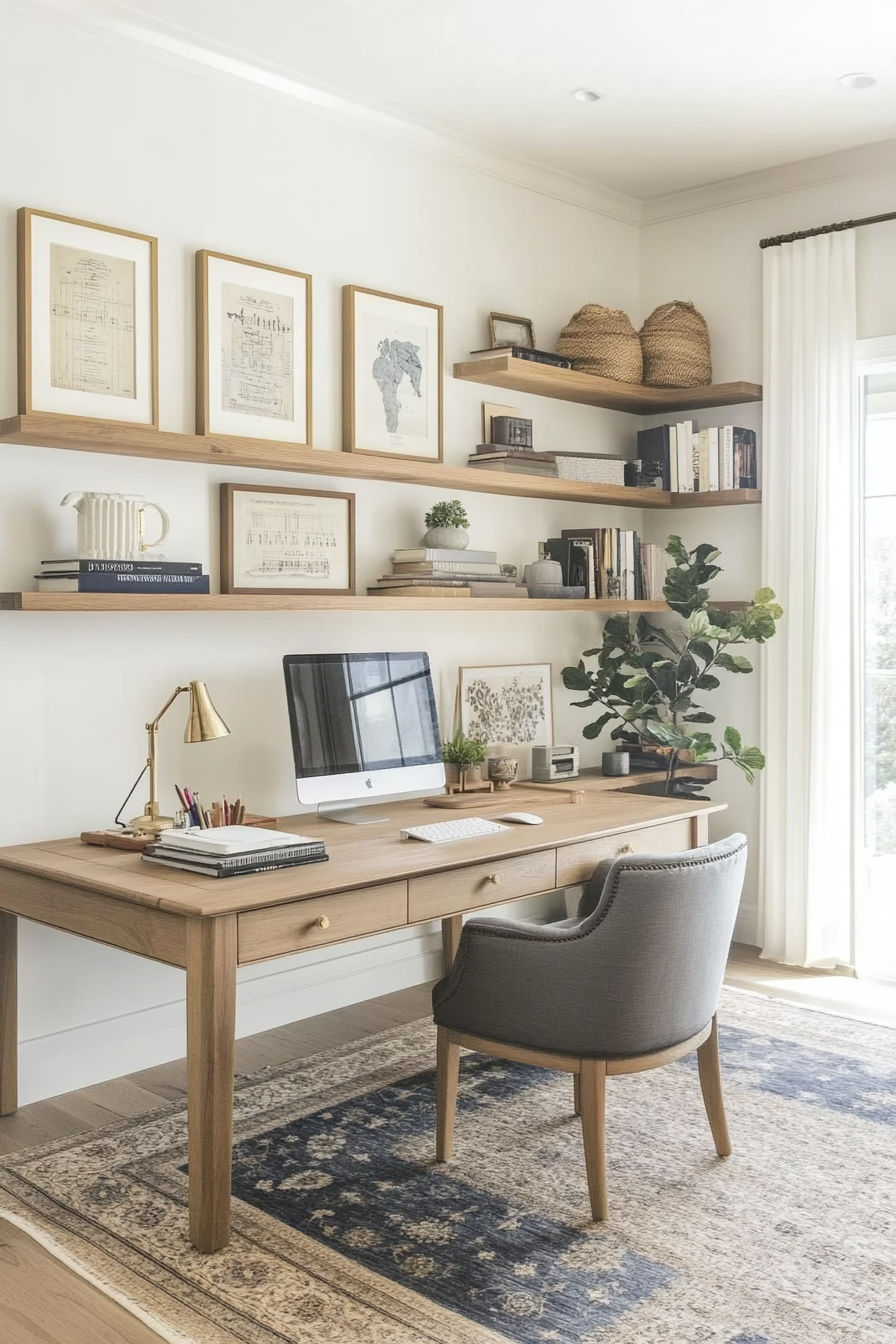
x=446, y=525
x=463, y=757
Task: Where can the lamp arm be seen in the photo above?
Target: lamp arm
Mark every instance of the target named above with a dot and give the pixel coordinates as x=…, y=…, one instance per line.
x=151, y=761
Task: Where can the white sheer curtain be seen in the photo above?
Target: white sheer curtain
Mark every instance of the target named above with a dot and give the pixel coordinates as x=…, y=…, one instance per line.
x=809, y=447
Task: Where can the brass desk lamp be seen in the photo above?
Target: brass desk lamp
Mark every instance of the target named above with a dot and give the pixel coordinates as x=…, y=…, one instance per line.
x=203, y=725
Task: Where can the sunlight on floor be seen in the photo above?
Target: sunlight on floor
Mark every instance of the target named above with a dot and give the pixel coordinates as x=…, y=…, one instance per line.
x=825, y=991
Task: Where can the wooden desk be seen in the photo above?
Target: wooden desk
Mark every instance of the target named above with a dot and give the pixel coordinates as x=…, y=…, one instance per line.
x=372, y=882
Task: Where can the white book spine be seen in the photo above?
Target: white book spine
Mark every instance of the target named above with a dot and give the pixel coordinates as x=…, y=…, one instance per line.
x=713, y=459
x=673, y=458
x=685, y=458
x=726, y=456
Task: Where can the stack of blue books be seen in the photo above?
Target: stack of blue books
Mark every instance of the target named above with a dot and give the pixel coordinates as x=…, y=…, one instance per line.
x=121, y=576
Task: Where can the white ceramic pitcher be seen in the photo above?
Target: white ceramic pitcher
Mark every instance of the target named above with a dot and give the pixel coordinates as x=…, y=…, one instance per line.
x=112, y=527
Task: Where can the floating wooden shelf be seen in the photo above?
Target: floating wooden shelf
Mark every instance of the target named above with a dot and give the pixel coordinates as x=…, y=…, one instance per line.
x=101, y=436
x=523, y=375
x=316, y=602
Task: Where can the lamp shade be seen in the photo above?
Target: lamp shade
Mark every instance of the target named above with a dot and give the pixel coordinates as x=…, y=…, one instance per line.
x=204, y=723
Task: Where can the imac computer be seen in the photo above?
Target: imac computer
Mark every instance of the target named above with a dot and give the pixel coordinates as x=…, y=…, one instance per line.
x=363, y=725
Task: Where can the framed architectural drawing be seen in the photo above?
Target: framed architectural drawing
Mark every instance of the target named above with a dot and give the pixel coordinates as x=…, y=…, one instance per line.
x=275, y=539
x=88, y=320
x=253, y=349
x=507, y=706
x=391, y=375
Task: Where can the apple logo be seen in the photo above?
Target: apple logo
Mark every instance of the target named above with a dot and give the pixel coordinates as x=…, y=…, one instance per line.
x=369, y=783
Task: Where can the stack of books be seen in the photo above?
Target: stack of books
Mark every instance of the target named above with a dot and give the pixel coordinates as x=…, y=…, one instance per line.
x=233, y=851
x=430, y=572
x=689, y=460
x=599, y=468
x=121, y=576
x=523, y=352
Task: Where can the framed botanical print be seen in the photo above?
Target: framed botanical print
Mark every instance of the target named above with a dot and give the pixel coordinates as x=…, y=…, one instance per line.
x=391, y=375
x=253, y=349
x=276, y=539
x=507, y=706
x=88, y=319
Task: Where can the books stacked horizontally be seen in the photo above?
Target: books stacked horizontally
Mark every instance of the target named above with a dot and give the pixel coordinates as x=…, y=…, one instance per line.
x=121, y=576
x=609, y=562
x=599, y=468
x=689, y=460
x=233, y=851
x=522, y=352
x=432, y=572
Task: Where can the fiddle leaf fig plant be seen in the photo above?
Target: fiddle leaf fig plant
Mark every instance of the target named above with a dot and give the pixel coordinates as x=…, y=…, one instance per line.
x=649, y=682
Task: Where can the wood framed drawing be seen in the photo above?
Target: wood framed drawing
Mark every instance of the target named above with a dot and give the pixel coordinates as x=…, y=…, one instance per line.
x=507, y=706
x=276, y=539
x=391, y=375
x=253, y=349
x=88, y=319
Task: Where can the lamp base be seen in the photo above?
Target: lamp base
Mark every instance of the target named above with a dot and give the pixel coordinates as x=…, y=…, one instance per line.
x=149, y=825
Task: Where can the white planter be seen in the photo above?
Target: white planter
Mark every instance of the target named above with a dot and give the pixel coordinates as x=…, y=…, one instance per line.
x=447, y=538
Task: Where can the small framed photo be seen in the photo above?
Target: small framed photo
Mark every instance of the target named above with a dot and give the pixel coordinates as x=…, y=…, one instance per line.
x=276, y=539
x=391, y=375
x=88, y=319
x=253, y=349
x=508, y=706
x=507, y=330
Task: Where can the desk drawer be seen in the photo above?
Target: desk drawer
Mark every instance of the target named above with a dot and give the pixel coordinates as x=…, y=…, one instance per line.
x=481, y=884
x=576, y=863
x=278, y=929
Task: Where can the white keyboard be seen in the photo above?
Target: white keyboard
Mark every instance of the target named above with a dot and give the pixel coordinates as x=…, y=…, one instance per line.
x=440, y=832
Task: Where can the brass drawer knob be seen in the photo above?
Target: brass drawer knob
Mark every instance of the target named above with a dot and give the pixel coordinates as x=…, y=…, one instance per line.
x=323, y=922
x=625, y=849
x=496, y=879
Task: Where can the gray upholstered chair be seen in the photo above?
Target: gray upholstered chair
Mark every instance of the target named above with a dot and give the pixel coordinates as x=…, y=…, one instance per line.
x=630, y=983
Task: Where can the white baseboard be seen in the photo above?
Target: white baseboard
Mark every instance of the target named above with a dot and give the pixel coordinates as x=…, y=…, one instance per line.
x=746, y=928
x=271, y=994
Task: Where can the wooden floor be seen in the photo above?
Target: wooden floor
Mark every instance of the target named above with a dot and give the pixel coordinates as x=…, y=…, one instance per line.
x=67, y=1310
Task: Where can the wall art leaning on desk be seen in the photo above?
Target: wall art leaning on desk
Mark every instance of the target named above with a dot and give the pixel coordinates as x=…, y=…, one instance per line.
x=507, y=706
x=253, y=349
x=276, y=539
x=88, y=320
x=391, y=375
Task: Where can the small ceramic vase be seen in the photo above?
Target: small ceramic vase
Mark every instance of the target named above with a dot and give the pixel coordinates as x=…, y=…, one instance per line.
x=502, y=770
x=471, y=778
x=447, y=538
x=544, y=574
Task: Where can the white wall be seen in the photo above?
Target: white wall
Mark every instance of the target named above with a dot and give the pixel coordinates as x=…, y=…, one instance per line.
x=124, y=139
x=712, y=257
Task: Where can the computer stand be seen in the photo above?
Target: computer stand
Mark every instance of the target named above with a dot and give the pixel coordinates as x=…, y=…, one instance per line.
x=349, y=814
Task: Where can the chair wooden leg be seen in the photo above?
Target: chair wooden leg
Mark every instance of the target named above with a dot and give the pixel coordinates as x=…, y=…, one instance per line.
x=447, y=1067
x=592, y=1093
x=711, y=1087
x=577, y=1093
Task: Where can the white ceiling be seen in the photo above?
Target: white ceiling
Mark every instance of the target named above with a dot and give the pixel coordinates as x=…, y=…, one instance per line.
x=692, y=91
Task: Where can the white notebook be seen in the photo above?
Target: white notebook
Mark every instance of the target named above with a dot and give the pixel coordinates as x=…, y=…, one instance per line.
x=231, y=839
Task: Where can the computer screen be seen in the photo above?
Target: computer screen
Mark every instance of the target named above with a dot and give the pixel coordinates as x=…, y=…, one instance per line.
x=362, y=725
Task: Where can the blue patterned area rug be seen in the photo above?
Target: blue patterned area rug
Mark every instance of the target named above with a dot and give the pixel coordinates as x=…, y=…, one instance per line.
x=345, y=1230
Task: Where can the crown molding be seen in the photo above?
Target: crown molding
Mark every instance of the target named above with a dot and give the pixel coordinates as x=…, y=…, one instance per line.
x=771, y=182
x=127, y=26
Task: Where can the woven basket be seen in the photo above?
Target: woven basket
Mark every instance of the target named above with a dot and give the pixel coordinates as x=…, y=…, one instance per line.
x=602, y=341
x=675, y=347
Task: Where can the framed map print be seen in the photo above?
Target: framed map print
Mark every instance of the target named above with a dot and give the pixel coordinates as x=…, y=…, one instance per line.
x=391, y=375
x=253, y=350
x=276, y=539
x=88, y=321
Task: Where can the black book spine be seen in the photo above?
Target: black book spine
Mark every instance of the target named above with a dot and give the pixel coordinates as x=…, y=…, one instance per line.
x=121, y=567
x=143, y=583
x=541, y=357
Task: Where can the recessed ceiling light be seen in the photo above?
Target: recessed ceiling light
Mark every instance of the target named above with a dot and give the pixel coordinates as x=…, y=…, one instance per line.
x=586, y=96
x=857, y=80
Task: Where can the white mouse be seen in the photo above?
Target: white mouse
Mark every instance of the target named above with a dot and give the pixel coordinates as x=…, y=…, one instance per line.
x=527, y=818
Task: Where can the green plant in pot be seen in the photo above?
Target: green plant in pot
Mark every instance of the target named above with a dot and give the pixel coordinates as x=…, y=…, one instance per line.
x=463, y=757
x=447, y=524
x=650, y=681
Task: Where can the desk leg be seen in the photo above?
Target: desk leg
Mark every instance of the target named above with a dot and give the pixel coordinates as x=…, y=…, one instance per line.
x=451, y=931
x=211, y=1022
x=9, y=1042
x=700, y=830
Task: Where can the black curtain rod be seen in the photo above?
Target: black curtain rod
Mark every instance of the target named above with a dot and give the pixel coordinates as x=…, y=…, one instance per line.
x=825, y=228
